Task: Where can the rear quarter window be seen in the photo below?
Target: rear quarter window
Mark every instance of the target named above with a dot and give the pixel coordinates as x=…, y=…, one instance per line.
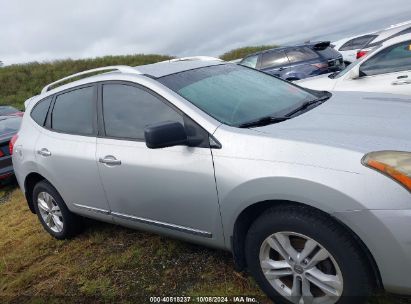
x=250, y=61
x=328, y=53
x=40, y=110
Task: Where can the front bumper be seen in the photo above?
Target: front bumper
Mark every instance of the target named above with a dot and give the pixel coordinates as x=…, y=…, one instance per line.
x=387, y=234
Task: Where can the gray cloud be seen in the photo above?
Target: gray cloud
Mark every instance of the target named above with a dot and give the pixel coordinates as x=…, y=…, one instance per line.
x=48, y=29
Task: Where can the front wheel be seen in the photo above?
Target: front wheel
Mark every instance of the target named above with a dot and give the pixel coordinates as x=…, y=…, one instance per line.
x=299, y=255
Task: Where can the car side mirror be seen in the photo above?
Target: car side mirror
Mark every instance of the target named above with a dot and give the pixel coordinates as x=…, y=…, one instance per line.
x=165, y=134
x=354, y=73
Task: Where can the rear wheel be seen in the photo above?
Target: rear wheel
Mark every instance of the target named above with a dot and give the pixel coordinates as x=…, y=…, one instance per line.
x=298, y=255
x=53, y=213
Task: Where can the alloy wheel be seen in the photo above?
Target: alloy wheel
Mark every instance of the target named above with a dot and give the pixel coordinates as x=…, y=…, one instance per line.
x=50, y=212
x=300, y=269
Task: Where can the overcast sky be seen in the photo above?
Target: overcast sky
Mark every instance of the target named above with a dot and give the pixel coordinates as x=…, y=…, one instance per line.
x=45, y=30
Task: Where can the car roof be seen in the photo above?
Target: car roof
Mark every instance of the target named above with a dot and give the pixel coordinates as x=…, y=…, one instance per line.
x=164, y=68
x=387, y=33
x=282, y=48
x=396, y=39
x=152, y=71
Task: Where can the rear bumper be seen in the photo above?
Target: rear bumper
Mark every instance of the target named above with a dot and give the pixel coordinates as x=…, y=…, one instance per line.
x=6, y=167
x=387, y=234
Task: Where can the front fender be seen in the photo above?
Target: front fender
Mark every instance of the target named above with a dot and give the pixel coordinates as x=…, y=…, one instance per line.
x=325, y=189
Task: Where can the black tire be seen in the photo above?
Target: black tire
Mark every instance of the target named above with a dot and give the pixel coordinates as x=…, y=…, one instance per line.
x=357, y=279
x=72, y=224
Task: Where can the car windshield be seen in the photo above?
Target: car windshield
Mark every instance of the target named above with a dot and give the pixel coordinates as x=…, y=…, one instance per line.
x=9, y=125
x=234, y=94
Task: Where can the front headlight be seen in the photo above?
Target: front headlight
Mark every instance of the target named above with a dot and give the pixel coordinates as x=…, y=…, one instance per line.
x=394, y=164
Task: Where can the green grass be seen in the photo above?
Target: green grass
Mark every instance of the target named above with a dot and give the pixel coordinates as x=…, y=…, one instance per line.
x=21, y=81
x=108, y=263
x=244, y=51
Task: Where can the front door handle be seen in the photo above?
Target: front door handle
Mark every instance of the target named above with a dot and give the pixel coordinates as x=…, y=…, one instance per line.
x=110, y=160
x=44, y=152
x=401, y=82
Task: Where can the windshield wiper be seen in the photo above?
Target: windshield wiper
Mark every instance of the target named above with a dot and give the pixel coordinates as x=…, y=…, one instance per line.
x=306, y=104
x=263, y=121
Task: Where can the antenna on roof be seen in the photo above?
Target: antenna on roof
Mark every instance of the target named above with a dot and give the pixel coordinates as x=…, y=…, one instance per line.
x=121, y=68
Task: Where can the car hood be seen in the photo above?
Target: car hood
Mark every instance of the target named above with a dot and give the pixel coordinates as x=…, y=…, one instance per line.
x=361, y=122
x=322, y=82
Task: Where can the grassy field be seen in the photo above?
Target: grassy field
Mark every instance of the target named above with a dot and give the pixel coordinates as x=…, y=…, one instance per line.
x=20, y=81
x=244, y=51
x=108, y=263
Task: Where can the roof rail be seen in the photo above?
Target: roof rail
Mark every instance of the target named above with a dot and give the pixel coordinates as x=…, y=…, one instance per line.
x=398, y=24
x=120, y=68
x=201, y=58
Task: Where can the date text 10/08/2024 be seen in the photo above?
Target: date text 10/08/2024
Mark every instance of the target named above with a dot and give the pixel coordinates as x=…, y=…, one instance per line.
x=204, y=299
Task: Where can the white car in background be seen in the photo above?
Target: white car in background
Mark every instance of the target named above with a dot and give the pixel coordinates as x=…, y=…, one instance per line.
x=384, y=35
x=348, y=47
x=355, y=47
x=386, y=69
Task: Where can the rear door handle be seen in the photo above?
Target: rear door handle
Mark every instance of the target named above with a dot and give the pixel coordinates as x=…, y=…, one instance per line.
x=110, y=160
x=44, y=152
x=401, y=82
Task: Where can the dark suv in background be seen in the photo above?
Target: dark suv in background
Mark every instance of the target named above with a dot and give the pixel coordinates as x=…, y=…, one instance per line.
x=297, y=62
x=9, y=125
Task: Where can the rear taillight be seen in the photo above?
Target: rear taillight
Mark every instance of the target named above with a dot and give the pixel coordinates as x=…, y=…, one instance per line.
x=1, y=153
x=12, y=142
x=361, y=54
x=320, y=65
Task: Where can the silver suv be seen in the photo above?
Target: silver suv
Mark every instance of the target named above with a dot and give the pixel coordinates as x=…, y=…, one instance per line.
x=309, y=190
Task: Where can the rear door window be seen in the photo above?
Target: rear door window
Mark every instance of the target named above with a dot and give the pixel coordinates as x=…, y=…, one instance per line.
x=395, y=58
x=273, y=59
x=301, y=54
x=74, y=112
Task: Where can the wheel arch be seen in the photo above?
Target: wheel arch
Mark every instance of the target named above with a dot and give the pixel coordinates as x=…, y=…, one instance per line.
x=30, y=181
x=252, y=212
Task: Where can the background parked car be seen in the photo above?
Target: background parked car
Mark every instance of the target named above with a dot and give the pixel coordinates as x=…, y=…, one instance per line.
x=9, y=110
x=9, y=126
x=386, y=69
x=354, y=47
x=296, y=62
x=348, y=47
x=384, y=35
